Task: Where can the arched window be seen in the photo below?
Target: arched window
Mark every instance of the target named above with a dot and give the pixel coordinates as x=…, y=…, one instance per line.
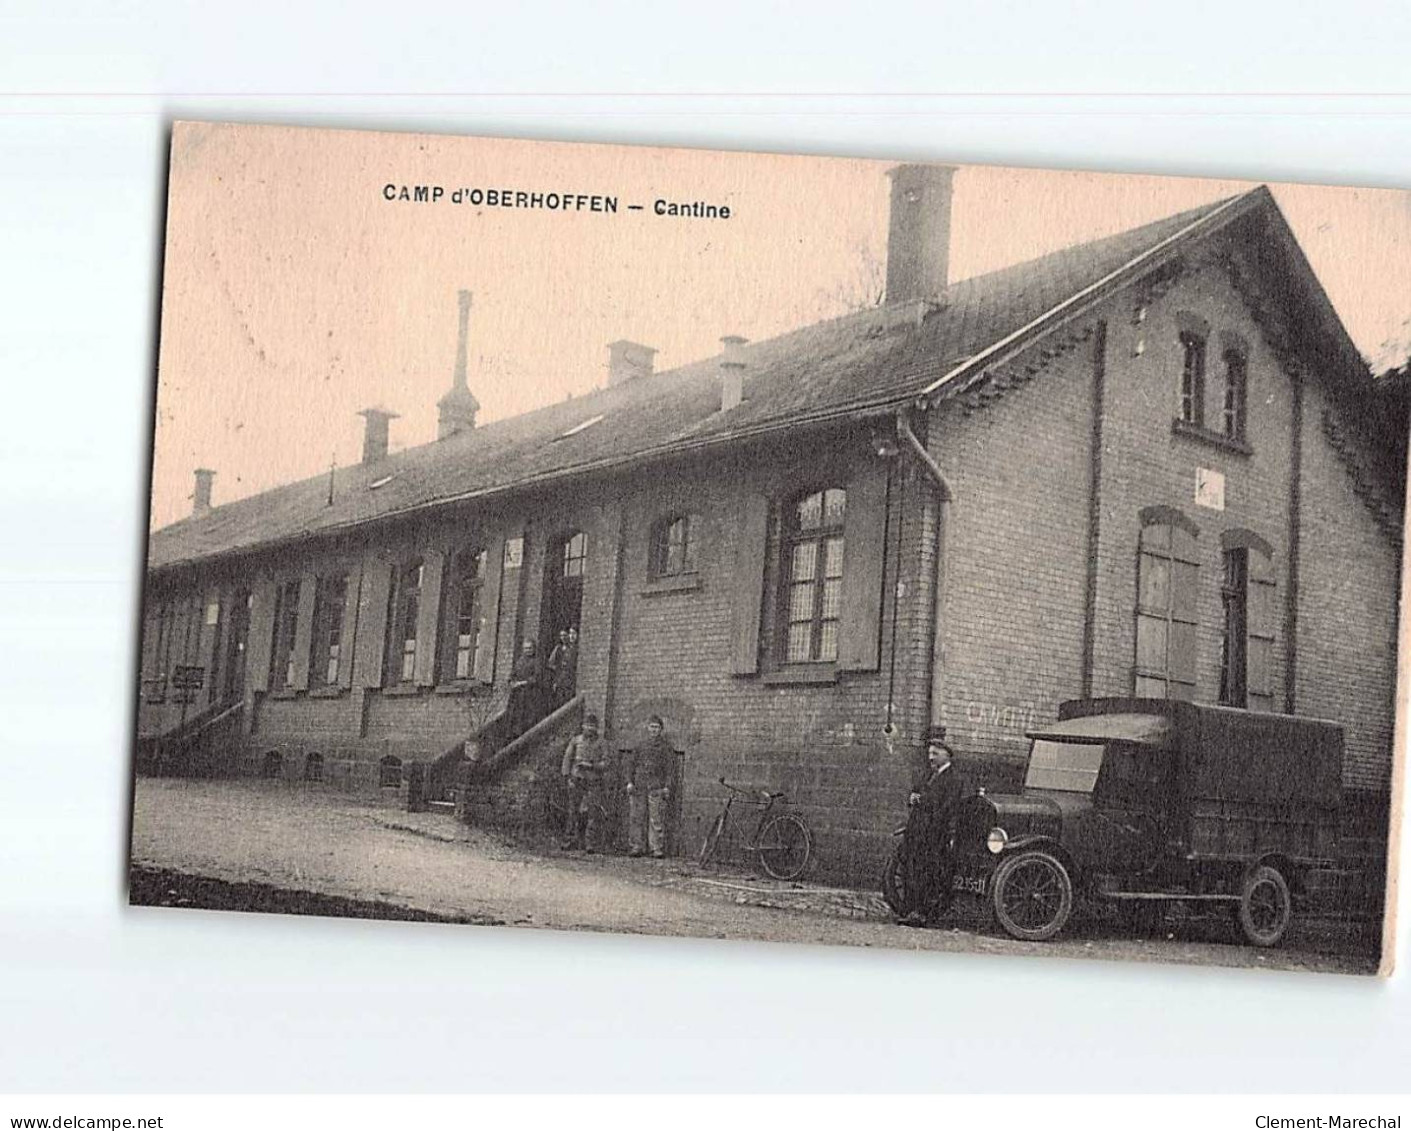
x=1236, y=380
x=464, y=619
x=406, y=609
x=813, y=576
x=1168, y=576
x=286, y=627
x=330, y=604
x=674, y=543
x=1192, y=378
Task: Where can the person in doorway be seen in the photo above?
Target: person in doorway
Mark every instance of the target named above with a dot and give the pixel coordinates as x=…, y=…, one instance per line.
x=929, y=860
x=553, y=669
x=584, y=763
x=525, y=705
x=566, y=678
x=648, y=775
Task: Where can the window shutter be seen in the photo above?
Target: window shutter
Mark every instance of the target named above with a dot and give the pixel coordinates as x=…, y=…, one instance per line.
x=372, y=622
x=748, y=591
x=864, y=555
x=428, y=616
x=349, y=631
x=490, y=612
x=1260, y=630
x=261, y=636
x=304, y=630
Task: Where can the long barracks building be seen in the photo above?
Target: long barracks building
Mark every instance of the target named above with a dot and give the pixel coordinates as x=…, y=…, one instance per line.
x=1153, y=464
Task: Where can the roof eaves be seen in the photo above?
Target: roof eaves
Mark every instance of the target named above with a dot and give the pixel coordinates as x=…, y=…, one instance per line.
x=1225, y=211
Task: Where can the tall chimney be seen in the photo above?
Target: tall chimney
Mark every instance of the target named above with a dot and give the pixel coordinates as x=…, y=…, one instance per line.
x=375, y=433
x=918, y=235
x=628, y=361
x=456, y=410
x=732, y=372
x=201, y=497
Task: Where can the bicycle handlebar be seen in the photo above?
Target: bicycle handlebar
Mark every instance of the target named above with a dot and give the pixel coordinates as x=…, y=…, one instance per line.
x=753, y=794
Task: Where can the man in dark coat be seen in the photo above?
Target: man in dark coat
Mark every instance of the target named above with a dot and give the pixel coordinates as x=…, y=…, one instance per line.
x=525, y=706
x=648, y=774
x=929, y=860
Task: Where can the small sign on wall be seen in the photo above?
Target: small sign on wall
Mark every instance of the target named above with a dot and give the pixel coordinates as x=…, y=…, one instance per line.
x=213, y=613
x=514, y=553
x=1209, y=488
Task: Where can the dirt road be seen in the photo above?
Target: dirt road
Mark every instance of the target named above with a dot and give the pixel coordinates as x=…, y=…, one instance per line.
x=296, y=840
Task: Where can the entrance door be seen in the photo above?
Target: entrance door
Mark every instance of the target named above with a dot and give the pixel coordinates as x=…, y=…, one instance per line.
x=563, y=589
x=231, y=654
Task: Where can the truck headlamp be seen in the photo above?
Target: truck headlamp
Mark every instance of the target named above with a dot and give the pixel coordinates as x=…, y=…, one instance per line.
x=996, y=841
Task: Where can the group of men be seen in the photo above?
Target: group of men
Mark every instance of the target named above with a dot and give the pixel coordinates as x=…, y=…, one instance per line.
x=536, y=688
x=646, y=774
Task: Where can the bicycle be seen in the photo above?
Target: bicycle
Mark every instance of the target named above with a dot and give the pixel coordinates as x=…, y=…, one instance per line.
x=783, y=842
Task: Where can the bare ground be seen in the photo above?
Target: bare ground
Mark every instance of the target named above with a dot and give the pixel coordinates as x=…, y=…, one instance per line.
x=269, y=846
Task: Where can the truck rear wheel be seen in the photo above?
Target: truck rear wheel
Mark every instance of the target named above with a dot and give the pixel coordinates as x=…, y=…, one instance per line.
x=1265, y=908
x=1032, y=896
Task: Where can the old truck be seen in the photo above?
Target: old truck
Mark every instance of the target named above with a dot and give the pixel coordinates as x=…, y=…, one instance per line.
x=1145, y=802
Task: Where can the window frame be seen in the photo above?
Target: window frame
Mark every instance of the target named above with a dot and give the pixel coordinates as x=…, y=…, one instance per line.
x=1181, y=607
x=792, y=536
x=455, y=585
x=326, y=632
x=1235, y=396
x=1191, y=407
x=402, y=627
x=659, y=566
x=284, y=645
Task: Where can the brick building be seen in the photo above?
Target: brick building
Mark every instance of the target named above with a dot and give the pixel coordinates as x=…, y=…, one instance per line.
x=1150, y=464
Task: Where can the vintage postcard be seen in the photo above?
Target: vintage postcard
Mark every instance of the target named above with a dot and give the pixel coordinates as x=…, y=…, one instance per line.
x=774, y=547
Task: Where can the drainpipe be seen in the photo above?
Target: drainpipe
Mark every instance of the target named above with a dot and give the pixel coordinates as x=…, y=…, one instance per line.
x=944, y=496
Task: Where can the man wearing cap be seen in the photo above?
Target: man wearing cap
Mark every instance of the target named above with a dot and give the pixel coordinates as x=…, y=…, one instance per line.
x=584, y=762
x=929, y=863
x=648, y=776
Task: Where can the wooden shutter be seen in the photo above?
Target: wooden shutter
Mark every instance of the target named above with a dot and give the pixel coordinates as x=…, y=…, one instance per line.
x=304, y=630
x=257, y=655
x=489, y=637
x=747, y=598
x=371, y=644
x=864, y=555
x=428, y=617
x=350, y=626
x=1260, y=630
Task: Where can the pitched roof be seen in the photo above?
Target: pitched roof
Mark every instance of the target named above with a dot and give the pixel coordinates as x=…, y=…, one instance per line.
x=867, y=361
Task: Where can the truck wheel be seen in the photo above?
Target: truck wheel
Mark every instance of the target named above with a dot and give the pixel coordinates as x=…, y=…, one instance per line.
x=1266, y=907
x=1033, y=896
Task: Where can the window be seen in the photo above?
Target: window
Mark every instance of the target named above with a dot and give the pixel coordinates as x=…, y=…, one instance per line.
x=406, y=608
x=330, y=603
x=313, y=767
x=161, y=656
x=389, y=772
x=1193, y=378
x=1247, y=596
x=1232, y=416
x=1167, y=587
x=464, y=614
x=813, y=576
x=674, y=546
x=273, y=764
x=286, y=624
x=575, y=552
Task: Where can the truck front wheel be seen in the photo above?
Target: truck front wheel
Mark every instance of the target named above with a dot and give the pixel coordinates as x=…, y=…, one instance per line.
x=1266, y=908
x=1033, y=896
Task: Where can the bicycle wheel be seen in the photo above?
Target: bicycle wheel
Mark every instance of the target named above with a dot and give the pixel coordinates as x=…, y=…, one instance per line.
x=712, y=838
x=894, y=883
x=784, y=847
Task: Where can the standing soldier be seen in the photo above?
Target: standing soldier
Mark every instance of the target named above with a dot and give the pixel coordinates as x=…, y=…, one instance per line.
x=929, y=861
x=584, y=761
x=648, y=774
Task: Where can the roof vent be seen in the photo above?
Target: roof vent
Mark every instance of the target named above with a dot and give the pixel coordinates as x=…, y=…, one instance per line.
x=732, y=372
x=201, y=496
x=627, y=361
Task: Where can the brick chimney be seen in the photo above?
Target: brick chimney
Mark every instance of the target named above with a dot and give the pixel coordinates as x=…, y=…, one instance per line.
x=627, y=361
x=918, y=235
x=201, y=496
x=456, y=410
x=375, y=433
x=732, y=372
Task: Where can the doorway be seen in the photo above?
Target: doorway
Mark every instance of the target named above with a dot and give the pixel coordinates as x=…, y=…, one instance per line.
x=563, y=589
x=230, y=652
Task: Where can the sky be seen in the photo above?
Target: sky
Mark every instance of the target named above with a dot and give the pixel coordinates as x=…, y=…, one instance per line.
x=295, y=294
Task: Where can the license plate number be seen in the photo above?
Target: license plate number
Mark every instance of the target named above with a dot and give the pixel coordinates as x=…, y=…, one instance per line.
x=972, y=884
